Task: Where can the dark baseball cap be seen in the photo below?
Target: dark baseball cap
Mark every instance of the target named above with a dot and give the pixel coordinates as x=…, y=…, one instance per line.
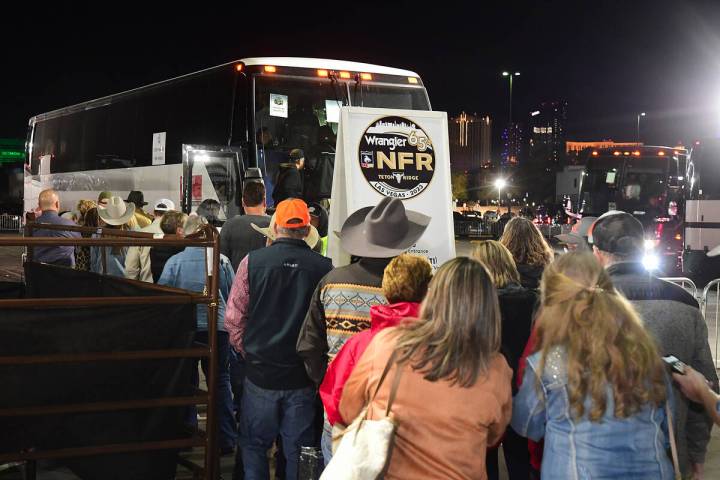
x=618, y=233
x=296, y=154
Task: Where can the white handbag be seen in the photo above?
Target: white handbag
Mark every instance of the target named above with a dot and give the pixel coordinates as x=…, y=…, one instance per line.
x=362, y=450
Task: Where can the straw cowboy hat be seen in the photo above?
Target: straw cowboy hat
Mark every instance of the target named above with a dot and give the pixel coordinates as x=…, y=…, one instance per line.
x=269, y=231
x=579, y=232
x=117, y=212
x=383, y=231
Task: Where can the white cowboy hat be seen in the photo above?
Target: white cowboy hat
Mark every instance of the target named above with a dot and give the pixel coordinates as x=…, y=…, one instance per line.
x=117, y=212
x=269, y=231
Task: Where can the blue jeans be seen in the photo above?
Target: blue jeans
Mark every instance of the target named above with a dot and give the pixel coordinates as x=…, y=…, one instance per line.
x=264, y=415
x=227, y=434
x=326, y=442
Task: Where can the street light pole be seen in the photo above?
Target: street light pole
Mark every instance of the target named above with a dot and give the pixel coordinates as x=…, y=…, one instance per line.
x=638, y=125
x=500, y=184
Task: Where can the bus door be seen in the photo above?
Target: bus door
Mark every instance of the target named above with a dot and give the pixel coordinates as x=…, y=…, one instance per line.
x=212, y=172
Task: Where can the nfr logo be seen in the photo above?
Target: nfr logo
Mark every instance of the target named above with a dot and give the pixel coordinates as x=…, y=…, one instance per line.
x=396, y=157
x=367, y=159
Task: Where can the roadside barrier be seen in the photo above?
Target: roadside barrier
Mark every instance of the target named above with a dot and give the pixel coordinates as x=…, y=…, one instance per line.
x=10, y=223
x=710, y=307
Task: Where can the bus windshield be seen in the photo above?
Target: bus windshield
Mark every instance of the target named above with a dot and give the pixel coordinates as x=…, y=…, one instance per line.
x=303, y=112
x=633, y=186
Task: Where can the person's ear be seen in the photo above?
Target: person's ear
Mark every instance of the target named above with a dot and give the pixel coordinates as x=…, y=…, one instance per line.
x=598, y=254
x=180, y=232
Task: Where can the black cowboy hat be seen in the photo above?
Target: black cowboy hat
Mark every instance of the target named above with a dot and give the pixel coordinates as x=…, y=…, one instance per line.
x=136, y=197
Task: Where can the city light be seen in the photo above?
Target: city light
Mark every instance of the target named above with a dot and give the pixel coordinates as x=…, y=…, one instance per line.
x=651, y=262
x=535, y=113
x=500, y=183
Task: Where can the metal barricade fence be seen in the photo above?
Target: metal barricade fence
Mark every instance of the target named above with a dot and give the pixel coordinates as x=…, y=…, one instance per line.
x=710, y=307
x=10, y=223
x=685, y=283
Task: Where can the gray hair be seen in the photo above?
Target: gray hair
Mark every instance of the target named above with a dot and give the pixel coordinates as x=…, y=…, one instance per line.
x=296, y=233
x=193, y=224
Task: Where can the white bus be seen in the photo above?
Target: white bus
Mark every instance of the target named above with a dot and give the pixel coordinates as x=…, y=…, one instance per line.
x=702, y=212
x=192, y=137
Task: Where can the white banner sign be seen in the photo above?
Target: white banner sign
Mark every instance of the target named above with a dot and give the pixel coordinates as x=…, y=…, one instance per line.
x=278, y=105
x=394, y=153
x=158, y=151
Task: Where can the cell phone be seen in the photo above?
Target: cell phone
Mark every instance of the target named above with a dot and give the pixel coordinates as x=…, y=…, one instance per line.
x=675, y=365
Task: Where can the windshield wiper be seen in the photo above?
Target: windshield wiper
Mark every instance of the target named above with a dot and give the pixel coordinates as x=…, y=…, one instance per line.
x=355, y=92
x=335, y=84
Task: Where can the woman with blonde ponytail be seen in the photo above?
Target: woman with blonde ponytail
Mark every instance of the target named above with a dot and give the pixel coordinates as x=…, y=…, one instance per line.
x=595, y=388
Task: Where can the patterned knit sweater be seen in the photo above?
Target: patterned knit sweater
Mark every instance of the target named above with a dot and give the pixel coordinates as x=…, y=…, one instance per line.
x=340, y=307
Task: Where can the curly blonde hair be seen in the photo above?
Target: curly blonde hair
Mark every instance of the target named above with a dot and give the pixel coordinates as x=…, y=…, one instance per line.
x=498, y=260
x=406, y=278
x=83, y=206
x=605, y=341
x=526, y=243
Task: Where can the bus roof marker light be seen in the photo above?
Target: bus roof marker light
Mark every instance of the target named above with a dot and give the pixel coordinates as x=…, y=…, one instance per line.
x=626, y=153
x=366, y=76
x=616, y=153
x=239, y=67
x=322, y=73
x=270, y=69
x=636, y=153
x=412, y=80
x=595, y=153
x=345, y=75
x=661, y=153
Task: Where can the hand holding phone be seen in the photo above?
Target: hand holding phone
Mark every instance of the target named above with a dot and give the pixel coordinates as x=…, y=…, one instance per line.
x=675, y=364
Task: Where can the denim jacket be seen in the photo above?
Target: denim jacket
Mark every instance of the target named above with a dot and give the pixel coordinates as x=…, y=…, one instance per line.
x=187, y=270
x=633, y=447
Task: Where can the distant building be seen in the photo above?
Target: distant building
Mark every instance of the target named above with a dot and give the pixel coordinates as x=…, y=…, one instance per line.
x=547, y=134
x=470, y=141
x=513, y=145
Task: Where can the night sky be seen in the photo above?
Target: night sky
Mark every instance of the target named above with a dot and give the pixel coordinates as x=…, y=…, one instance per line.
x=609, y=60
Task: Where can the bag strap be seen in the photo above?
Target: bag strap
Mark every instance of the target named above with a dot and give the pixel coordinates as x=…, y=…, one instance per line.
x=394, y=389
x=388, y=365
x=673, y=446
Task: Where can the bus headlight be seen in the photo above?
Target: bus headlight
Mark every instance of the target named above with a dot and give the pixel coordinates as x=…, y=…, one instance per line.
x=651, y=261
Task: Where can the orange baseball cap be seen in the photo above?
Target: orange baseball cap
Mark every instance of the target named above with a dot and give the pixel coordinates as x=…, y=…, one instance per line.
x=292, y=213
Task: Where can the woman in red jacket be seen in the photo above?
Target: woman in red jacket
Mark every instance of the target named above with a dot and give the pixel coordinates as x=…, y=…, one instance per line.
x=405, y=282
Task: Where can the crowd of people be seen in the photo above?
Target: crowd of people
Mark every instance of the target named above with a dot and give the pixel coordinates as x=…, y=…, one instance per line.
x=555, y=358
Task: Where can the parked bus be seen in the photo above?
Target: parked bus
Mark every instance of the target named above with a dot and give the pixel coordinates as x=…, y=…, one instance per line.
x=192, y=137
x=702, y=212
x=648, y=182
